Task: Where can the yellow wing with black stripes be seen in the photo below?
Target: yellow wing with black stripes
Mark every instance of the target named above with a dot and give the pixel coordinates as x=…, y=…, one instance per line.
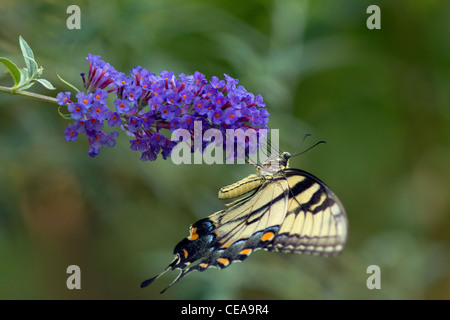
x=283, y=209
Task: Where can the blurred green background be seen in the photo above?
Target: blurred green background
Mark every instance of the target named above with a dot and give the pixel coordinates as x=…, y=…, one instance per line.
x=380, y=98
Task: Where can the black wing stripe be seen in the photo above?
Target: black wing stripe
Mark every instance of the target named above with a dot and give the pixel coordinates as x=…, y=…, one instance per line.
x=314, y=219
x=259, y=218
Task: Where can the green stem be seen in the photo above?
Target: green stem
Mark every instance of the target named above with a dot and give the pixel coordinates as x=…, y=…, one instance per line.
x=27, y=94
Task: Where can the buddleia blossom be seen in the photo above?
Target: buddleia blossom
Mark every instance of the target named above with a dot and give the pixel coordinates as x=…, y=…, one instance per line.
x=149, y=106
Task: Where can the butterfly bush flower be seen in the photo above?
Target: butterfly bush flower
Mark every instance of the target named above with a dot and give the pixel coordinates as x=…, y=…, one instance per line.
x=147, y=106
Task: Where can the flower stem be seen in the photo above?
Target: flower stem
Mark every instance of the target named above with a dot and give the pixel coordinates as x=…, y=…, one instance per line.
x=27, y=94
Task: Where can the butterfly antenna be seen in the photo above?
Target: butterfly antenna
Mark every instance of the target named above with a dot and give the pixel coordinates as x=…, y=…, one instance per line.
x=297, y=153
x=317, y=143
x=301, y=144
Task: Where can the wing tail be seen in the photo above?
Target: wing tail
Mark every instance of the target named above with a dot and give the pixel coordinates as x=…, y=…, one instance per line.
x=171, y=266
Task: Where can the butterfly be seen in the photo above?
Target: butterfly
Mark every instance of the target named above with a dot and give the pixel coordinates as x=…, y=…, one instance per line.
x=282, y=209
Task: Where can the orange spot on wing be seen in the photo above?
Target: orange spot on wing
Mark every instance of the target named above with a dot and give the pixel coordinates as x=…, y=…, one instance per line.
x=246, y=252
x=223, y=261
x=268, y=236
x=193, y=234
x=185, y=253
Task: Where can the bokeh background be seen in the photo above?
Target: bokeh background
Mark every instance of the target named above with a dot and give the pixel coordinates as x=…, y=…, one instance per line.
x=380, y=98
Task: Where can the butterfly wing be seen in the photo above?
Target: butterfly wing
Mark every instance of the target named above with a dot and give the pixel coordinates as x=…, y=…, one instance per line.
x=315, y=221
x=233, y=234
x=292, y=211
x=252, y=223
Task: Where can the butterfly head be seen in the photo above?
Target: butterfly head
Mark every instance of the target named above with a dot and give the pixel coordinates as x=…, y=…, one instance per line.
x=274, y=164
x=285, y=156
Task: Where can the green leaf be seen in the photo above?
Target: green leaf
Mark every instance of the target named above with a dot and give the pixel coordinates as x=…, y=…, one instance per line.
x=23, y=77
x=68, y=83
x=38, y=72
x=28, y=56
x=66, y=116
x=13, y=70
x=46, y=84
x=26, y=86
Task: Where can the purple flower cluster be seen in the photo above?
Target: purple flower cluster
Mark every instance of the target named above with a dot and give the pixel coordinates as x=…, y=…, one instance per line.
x=147, y=105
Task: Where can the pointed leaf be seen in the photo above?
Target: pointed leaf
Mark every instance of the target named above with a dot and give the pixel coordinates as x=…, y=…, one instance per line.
x=68, y=83
x=23, y=77
x=66, y=116
x=26, y=86
x=13, y=70
x=46, y=84
x=28, y=56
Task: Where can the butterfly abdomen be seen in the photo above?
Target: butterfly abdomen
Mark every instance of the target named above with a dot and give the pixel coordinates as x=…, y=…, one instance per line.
x=241, y=187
